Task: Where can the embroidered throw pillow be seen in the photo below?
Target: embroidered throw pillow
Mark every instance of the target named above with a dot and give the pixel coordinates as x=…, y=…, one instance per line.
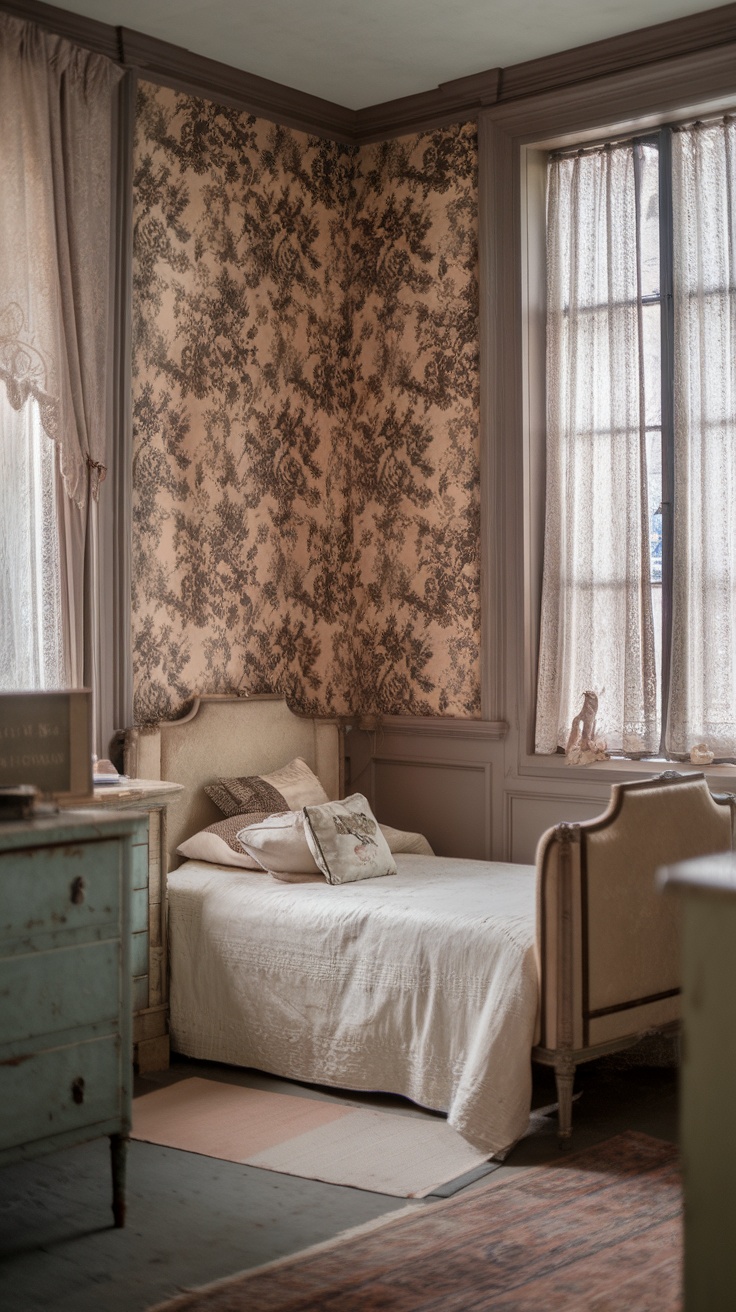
x=292, y=786
x=346, y=842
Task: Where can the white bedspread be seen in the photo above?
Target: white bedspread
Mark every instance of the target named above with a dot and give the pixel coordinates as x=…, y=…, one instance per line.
x=422, y=984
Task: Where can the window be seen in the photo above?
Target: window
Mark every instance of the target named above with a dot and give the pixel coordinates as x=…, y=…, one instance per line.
x=639, y=590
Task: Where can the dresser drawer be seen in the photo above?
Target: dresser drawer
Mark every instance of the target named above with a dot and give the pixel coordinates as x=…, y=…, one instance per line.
x=49, y=992
x=60, y=1089
x=70, y=886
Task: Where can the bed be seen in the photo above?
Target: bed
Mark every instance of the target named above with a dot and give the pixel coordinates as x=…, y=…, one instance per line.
x=442, y=982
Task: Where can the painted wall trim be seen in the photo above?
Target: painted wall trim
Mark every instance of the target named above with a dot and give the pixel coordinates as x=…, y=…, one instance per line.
x=456, y=101
x=437, y=726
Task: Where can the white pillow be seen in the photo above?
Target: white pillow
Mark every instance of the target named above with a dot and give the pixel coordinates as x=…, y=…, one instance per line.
x=298, y=785
x=278, y=844
x=400, y=840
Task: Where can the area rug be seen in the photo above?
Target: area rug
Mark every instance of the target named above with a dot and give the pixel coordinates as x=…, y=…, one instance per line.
x=405, y=1156
x=598, y=1231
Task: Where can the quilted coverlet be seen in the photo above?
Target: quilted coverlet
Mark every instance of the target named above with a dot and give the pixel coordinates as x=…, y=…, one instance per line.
x=422, y=984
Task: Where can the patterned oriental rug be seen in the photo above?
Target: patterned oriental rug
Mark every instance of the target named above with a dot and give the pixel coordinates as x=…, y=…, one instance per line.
x=597, y=1231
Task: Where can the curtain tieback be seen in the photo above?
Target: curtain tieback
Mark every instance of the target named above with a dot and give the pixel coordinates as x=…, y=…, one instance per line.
x=97, y=475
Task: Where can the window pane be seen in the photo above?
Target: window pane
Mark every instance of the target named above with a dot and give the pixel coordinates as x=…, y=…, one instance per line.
x=703, y=666
x=654, y=482
x=652, y=344
x=31, y=633
x=649, y=202
x=654, y=496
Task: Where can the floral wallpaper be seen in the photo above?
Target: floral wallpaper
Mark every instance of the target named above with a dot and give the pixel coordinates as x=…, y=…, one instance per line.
x=305, y=415
x=415, y=485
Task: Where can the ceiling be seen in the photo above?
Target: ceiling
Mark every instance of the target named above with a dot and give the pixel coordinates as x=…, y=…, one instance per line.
x=363, y=52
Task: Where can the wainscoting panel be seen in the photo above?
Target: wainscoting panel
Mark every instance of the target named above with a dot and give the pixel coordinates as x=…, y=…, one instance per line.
x=529, y=815
x=448, y=801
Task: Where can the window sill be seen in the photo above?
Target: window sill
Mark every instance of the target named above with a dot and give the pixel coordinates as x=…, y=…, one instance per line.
x=618, y=769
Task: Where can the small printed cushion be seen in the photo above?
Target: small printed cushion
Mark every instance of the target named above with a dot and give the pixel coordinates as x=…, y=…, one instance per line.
x=219, y=843
x=292, y=786
x=400, y=840
x=278, y=844
x=346, y=841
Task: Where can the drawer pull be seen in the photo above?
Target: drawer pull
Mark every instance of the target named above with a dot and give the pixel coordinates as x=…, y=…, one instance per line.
x=78, y=1090
x=77, y=893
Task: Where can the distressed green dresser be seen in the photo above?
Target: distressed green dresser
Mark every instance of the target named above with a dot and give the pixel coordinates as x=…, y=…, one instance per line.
x=65, y=984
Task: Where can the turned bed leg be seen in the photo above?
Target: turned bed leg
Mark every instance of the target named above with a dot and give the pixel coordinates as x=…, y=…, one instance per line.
x=564, y=1078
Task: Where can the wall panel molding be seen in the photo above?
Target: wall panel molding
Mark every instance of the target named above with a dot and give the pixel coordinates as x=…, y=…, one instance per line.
x=528, y=815
x=443, y=727
x=413, y=802
x=458, y=100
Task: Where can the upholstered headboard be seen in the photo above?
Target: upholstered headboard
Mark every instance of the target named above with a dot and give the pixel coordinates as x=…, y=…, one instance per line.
x=229, y=736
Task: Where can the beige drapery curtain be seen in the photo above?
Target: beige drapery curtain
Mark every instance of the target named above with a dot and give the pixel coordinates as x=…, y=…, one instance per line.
x=596, y=621
x=57, y=161
x=703, y=667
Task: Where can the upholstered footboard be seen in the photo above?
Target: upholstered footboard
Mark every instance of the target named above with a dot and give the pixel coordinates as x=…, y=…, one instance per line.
x=607, y=941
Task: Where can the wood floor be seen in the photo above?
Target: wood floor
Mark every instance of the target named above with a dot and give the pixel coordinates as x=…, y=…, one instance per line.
x=194, y=1219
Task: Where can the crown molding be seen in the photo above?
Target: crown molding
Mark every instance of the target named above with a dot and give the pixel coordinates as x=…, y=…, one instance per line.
x=456, y=101
x=451, y=102
x=160, y=61
x=649, y=45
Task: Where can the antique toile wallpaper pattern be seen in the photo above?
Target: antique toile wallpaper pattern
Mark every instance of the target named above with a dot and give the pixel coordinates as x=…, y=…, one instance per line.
x=306, y=498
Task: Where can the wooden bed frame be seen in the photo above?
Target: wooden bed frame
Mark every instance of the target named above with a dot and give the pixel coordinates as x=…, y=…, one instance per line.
x=607, y=941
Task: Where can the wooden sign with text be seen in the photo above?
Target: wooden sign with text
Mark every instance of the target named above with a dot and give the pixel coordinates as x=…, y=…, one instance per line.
x=46, y=741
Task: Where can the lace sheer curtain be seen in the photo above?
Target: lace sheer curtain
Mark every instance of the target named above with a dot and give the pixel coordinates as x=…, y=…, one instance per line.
x=57, y=117
x=596, y=622
x=703, y=667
